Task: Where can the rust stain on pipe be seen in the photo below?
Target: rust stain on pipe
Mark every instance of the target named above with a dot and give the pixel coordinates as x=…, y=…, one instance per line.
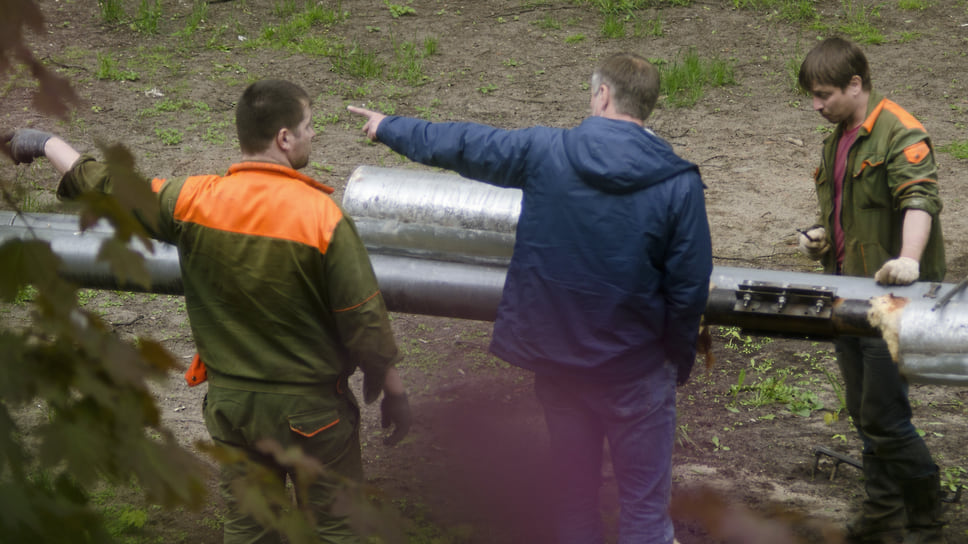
x=885, y=315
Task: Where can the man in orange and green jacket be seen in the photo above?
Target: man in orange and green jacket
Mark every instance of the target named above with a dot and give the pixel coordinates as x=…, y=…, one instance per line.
x=877, y=187
x=281, y=297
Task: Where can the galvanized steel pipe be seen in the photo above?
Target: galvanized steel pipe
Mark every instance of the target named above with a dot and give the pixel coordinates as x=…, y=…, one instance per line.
x=440, y=244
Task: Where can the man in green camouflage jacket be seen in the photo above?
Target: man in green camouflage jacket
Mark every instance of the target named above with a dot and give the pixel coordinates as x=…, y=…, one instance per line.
x=281, y=297
x=878, y=193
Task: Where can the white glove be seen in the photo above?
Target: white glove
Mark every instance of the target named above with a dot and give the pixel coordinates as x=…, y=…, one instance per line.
x=900, y=271
x=813, y=242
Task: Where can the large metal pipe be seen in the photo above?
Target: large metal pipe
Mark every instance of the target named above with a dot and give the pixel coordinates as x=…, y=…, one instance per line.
x=440, y=244
x=432, y=215
x=409, y=285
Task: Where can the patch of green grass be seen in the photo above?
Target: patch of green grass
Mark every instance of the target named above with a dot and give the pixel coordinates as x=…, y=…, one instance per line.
x=548, y=22
x=358, y=62
x=575, y=38
x=399, y=10
x=613, y=26
x=684, y=81
x=787, y=10
x=792, y=66
x=958, y=148
x=284, y=8
x=169, y=136
x=216, y=40
x=195, y=19
x=431, y=44
x=217, y=133
x=648, y=27
x=952, y=478
x=146, y=20
x=912, y=5
x=487, y=88
x=25, y=295
x=908, y=36
x=112, y=11
x=297, y=34
x=108, y=69
x=615, y=6
x=857, y=23
x=156, y=61
x=407, y=64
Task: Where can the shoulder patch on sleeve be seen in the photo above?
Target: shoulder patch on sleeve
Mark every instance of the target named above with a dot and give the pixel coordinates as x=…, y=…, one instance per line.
x=916, y=153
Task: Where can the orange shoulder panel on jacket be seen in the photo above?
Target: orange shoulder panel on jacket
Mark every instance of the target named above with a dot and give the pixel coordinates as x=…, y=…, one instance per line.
x=261, y=202
x=917, y=152
x=906, y=119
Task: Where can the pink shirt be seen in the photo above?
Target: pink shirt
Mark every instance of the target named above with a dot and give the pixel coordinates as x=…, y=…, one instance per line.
x=840, y=170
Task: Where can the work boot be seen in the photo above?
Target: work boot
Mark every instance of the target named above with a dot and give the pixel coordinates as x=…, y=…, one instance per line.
x=922, y=501
x=882, y=518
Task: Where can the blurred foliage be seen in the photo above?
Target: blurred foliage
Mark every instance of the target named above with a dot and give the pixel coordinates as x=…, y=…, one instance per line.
x=54, y=94
x=76, y=408
x=98, y=421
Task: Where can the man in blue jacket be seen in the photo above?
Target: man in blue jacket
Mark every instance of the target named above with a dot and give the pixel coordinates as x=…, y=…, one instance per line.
x=605, y=290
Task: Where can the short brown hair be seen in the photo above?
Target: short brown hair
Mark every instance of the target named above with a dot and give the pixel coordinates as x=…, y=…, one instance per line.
x=834, y=61
x=633, y=82
x=266, y=107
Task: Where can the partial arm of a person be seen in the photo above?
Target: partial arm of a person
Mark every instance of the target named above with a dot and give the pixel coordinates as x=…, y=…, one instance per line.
x=364, y=327
x=26, y=144
x=912, y=175
x=906, y=268
x=61, y=155
x=473, y=150
x=81, y=173
x=688, y=268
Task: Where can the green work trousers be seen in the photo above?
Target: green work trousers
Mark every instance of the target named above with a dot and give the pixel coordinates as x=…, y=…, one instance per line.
x=324, y=425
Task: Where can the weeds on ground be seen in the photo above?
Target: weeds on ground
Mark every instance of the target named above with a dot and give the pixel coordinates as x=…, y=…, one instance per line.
x=684, y=81
x=195, y=19
x=112, y=11
x=763, y=384
x=108, y=69
x=149, y=13
x=856, y=22
x=957, y=148
x=787, y=10
x=398, y=10
x=912, y=5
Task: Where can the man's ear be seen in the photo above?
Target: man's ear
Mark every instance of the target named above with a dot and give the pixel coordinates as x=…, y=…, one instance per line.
x=856, y=85
x=605, y=95
x=284, y=139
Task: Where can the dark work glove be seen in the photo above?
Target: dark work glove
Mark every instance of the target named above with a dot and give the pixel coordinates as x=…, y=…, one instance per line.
x=395, y=410
x=25, y=145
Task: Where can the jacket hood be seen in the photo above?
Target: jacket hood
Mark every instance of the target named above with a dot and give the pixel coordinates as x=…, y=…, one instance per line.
x=619, y=156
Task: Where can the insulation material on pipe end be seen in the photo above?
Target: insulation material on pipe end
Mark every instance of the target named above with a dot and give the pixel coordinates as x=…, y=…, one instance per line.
x=885, y=316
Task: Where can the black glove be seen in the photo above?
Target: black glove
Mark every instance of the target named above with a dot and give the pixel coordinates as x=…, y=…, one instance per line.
x=395, y=410
x=25, y=145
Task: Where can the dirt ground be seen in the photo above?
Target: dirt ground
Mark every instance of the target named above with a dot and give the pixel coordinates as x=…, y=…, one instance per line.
x=474, y=464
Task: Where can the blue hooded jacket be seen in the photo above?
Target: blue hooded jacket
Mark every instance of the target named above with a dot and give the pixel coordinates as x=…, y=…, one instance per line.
x=612, y=257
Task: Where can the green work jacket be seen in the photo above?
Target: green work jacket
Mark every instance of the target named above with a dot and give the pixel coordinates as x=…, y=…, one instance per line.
x=279, y=288
x=890, y=169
